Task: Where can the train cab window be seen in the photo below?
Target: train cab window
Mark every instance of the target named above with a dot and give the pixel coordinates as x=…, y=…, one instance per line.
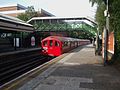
x=57, y=43
x=51, y=43
x=45, y=43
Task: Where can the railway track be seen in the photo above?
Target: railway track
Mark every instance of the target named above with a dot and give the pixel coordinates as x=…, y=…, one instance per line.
x=13, y=68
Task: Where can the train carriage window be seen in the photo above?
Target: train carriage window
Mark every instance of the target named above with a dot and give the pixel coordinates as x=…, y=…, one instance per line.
x=68, y=43
x=57, y=43
x=51, y=43
x=45, y=43
x=65, y=44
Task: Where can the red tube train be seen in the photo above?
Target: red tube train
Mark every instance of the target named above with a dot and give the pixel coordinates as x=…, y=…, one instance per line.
x=57, y=45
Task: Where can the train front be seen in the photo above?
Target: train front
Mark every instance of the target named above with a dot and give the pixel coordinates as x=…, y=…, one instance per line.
x=51, y=46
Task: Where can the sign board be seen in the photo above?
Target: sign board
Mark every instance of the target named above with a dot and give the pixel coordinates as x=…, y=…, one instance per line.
x=32, y=41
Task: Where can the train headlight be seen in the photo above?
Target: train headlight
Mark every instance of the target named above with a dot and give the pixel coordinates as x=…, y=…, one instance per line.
x=45, y=48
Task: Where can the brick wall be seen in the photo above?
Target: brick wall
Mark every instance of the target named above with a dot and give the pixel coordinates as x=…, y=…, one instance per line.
x=8, y=8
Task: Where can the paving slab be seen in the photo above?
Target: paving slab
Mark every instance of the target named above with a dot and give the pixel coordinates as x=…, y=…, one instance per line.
x=80, y=70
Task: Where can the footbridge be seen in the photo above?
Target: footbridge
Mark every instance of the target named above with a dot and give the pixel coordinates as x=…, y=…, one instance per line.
x=74, y=26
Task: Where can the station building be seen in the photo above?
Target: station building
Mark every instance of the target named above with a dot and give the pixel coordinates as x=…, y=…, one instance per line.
x=15, y=32
x=12, y=10
x=16, y=9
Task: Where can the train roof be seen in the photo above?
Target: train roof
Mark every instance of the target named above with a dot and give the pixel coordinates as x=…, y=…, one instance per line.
x=60, y=38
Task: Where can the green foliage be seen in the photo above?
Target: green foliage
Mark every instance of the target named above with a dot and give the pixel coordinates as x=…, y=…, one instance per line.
x=98, y=2
x=114, y=10
x=29, y=13
x=100, y=17
x=23, y=16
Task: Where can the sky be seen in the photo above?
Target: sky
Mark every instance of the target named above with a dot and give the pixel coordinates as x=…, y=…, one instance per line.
x=60, y=8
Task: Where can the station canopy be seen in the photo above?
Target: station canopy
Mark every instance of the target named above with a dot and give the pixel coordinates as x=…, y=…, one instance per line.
x=14, y=24
x=62, y=18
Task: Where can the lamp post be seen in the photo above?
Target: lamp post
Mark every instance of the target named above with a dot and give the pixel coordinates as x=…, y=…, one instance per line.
x=106, y=33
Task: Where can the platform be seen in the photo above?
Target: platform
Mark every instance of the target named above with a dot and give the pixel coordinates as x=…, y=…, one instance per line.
x=79, y=70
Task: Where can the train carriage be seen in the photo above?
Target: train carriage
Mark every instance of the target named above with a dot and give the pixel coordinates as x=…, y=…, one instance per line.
x=56, y=45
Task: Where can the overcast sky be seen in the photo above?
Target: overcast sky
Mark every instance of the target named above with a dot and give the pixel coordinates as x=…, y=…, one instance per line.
x=58, y=7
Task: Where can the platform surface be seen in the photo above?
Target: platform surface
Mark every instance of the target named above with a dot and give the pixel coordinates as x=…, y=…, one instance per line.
x=80, y=70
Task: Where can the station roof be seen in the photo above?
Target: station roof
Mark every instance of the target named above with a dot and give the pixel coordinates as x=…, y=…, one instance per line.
x=62, y=18
x=11, y=5
x=42, y=11
x=14, y=24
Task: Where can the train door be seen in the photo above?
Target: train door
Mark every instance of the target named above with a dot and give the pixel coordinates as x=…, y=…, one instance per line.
x=57, y=48
x=54, y=48
x=51, y=48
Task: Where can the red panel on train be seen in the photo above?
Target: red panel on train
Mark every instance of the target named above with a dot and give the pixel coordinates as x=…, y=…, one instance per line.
x=57, y=45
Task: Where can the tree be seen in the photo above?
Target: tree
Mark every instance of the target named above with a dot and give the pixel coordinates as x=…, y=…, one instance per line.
x=114, y=11
x=99, y=16
x=29, y=13
x=98, y=2
x=23, y=16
